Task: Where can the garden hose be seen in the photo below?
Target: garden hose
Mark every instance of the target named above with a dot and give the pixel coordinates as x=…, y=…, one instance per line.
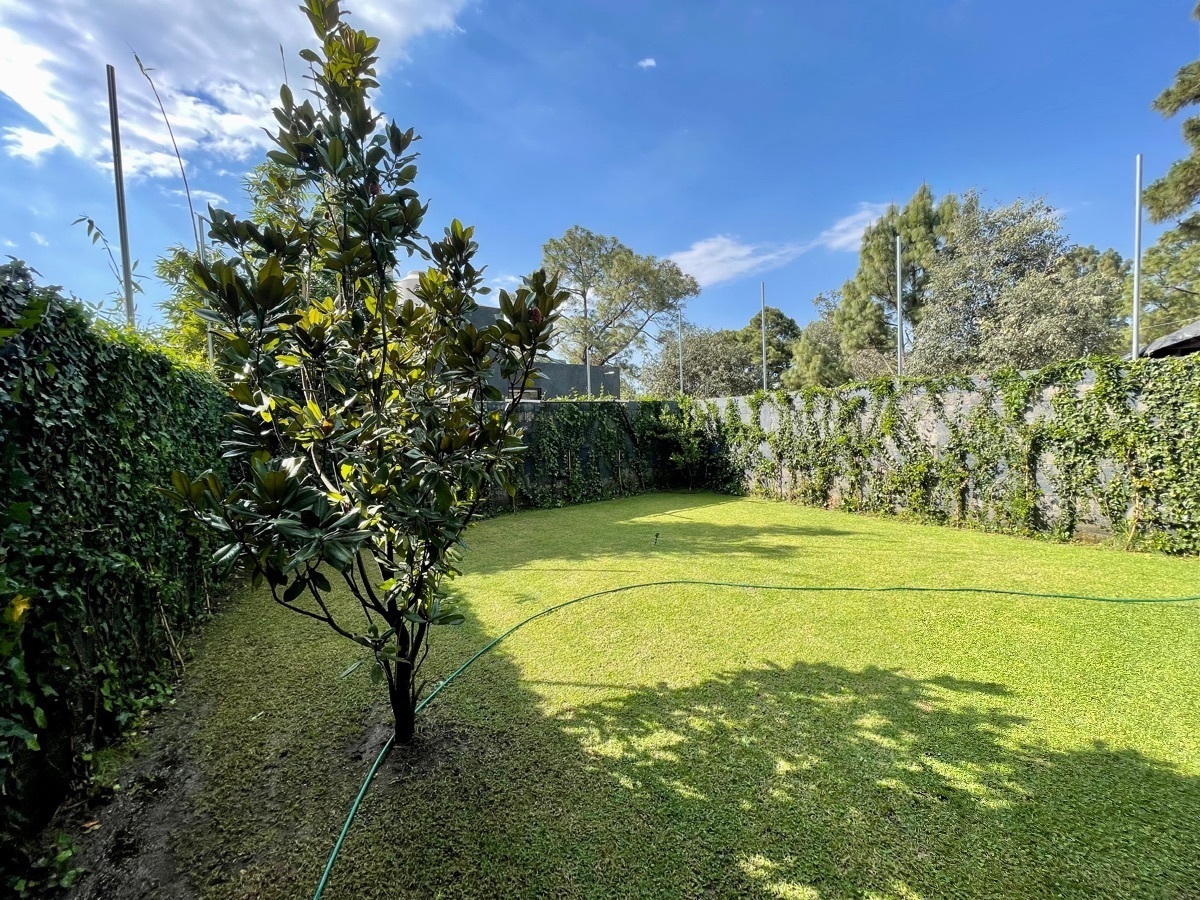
x=337, y=847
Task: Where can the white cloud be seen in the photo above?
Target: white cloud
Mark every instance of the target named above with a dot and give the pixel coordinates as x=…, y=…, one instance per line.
x=8, y=245
x=724, y=258
x=38, y=239
x=28, y=144
x=648, y=63
x=200, y=197
x=507, y=282
x=846, y=233
x=218, y=74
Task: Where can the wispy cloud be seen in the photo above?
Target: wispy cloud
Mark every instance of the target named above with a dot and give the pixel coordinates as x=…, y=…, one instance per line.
x=38, y=239
x=846, y=233
x=28, y=144
x=201, y=197
x=218, y=75
x=507, y=282
x=724, y=258
x=648, y=63
x=7, y=244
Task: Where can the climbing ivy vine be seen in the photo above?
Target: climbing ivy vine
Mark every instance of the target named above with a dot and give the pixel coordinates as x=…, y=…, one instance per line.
x=1096, y=444
x=1099, y=446
x=580, y=450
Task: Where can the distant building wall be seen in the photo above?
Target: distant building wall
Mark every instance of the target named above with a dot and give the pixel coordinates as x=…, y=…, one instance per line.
x=559, y=379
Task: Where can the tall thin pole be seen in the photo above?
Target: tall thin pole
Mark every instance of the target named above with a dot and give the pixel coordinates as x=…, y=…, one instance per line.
x=200, y=250
x=1137, y=262
x=122, y=221
x=764, y=333
x=681, y=353
x=899, y=313
x=587, y=347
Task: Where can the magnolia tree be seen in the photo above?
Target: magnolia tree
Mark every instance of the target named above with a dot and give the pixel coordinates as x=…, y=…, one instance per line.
x=367, y=424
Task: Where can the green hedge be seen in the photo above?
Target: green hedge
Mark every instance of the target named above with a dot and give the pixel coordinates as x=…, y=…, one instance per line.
x=1097, y=444
x=97, y=576
x=579, y=451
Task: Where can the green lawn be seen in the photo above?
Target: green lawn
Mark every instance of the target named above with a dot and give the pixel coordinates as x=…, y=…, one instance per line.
x=704, y=741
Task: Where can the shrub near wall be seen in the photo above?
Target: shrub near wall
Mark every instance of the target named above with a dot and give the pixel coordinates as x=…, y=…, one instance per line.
x=97, y=576
x=1100, y=446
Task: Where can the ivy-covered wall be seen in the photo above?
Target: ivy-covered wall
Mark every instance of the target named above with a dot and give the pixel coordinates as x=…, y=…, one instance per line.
x=98, y=578
x=1100, y=447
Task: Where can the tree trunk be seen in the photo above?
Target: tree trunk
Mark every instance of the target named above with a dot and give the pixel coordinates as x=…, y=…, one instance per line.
x=403, y=708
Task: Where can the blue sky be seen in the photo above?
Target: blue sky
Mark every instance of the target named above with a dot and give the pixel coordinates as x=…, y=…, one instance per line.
x=750, y=141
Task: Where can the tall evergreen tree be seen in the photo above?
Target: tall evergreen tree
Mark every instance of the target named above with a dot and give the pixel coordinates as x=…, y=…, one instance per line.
x=922, y=225
x=1174, y=196
x=817, y=359
x=782, y=332
x=1171, y=268
x=1170, y=284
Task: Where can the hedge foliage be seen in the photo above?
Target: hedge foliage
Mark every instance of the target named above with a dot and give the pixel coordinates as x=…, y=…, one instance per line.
x=97, y=576
x=1098, y=444
x=579, y=451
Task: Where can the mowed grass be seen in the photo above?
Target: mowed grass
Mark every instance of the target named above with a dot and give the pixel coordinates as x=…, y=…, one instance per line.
x=681, y=741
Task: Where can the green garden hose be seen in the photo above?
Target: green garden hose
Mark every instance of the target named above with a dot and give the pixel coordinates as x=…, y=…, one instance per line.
x=337, y=847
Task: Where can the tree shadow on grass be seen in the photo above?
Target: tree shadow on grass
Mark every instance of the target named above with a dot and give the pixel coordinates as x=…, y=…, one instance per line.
x=808, y=780
x=817, y=780
x=803, y=780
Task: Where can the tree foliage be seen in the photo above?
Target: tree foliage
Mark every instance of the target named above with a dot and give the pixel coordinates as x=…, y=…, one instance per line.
x=277, y=197
x=782, y=333
x=186, y=330
x=617, y=297
x=1175, y=194
x=922, y=225
x=1011, y=290
x=715, y=364
x=1170, y=284
x=818, y=359
x=369, y=430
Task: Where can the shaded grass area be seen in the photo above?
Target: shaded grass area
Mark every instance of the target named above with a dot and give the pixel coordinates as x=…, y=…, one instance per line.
x=691, y=740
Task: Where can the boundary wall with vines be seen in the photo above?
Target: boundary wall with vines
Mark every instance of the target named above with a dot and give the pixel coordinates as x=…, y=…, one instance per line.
x=1097, y=447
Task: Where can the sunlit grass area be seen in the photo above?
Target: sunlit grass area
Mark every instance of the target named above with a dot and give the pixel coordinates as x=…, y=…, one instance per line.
x=712, y=741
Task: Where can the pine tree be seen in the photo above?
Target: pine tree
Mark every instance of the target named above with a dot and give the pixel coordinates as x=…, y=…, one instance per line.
x=1176, y=193
x=921, y=224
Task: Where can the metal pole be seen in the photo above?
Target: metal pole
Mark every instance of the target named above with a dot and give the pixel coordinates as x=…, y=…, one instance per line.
x=200, y=250
x=899, y=313
x=587, y=347
x=122, y=222
x=764, y=333
x=681, y=353
x=1137, y=262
